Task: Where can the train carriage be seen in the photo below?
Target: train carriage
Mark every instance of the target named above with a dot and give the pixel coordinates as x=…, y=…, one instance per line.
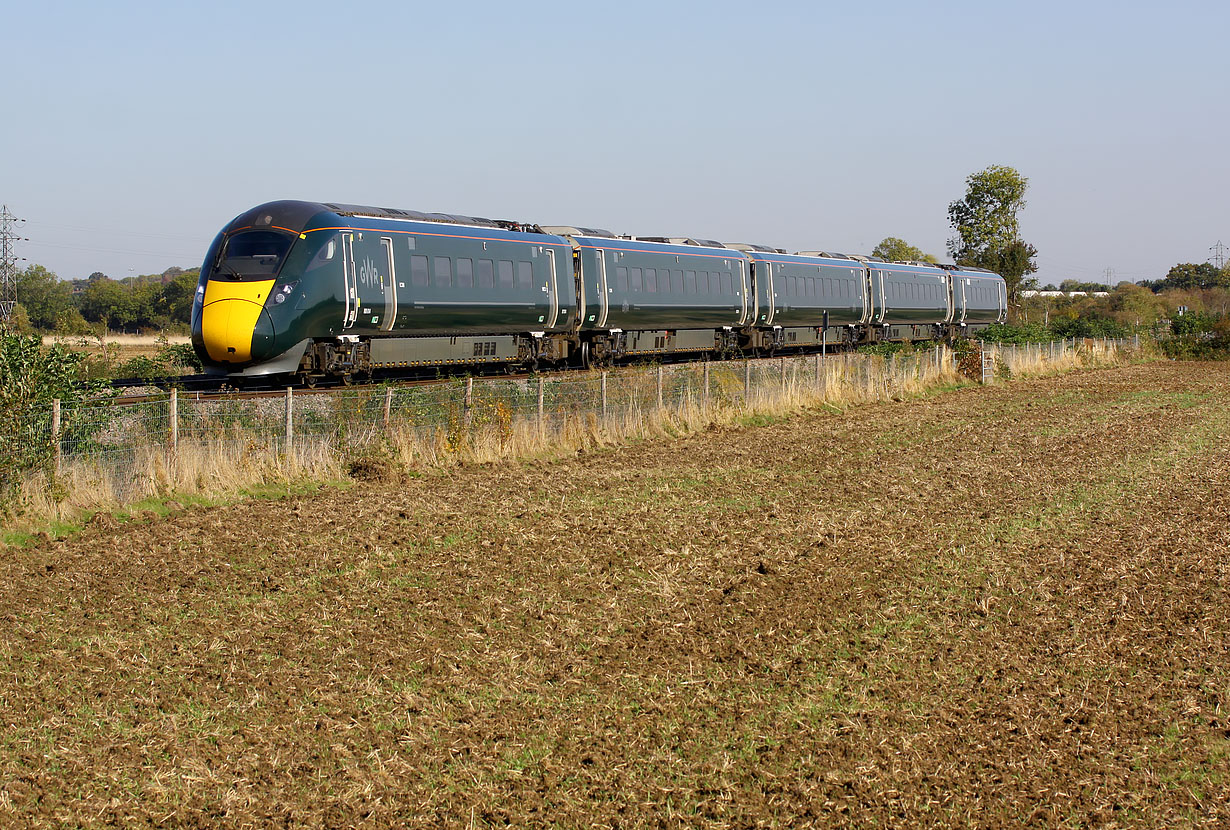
x=797, y=295
x=979, y=298
x=658, y=295
x=910, y=300
x=324, y=289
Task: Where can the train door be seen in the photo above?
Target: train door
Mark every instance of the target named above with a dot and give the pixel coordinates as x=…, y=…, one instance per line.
x=770, y=294
x=961, y=295
x=373, y=295
x=552, y=289
x=390, y=293
x=350, y=285
x=604, y=304
x=744, y=286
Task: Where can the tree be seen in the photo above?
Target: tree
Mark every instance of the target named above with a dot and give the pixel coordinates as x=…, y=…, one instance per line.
x=893, y=249
x=44, y=297
x=1188, y=275
x=988, y=232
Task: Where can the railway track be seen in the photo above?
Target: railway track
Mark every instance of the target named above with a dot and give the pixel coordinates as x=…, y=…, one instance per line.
x=207, y=387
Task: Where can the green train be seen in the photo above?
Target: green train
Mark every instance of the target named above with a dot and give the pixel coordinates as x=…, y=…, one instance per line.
x=333, y=291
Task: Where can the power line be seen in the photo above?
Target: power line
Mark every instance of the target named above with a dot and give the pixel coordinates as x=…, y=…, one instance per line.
x=8, y=263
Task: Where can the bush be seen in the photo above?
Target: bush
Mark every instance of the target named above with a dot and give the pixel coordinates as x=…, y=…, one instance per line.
x=31, y=377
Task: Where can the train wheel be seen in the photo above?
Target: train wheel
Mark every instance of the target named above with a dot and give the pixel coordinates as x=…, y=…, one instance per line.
x=308, y=380
x=346, y=379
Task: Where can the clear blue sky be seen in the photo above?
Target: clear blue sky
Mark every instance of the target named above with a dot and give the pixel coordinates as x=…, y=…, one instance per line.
x=132, y=132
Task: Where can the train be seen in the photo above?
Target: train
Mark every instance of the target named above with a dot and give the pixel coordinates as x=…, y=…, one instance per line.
x=323, y=291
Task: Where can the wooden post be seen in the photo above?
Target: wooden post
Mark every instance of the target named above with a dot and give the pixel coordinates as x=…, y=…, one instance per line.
x=388, y=407
x=55, y=432
x=290, y=420
x=468, y=412
x=659, y=386
x=541, y=424
x=783, y=372
x=604, y=394
x=706, y=384
x=747, y=380
x=173, y=416
x=819, y=383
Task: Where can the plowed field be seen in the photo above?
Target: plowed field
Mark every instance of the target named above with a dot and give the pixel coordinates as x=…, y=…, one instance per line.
x=996, y=607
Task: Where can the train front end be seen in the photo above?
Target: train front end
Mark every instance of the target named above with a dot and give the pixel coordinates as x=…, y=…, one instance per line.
x=244, y=313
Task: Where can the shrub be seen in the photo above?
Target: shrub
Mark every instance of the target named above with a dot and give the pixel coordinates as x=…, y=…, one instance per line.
x=31, y=377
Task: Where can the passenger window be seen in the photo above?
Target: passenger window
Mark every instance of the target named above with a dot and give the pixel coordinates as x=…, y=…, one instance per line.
x=418, y=271
x=635, y=280
x=728, y=284
x=444, y=272
x=486, y=273
x=506, y=273
x=621, y=279
x=651, y=280
x=465, y=273
x=689, y=282
x=525, y=275
x=715, y=283
x=677, y=282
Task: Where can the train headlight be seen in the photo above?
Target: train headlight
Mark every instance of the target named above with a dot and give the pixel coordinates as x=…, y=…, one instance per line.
x=279, y=298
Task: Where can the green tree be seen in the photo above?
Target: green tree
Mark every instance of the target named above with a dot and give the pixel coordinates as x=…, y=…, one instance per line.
x=44, y=297
x=30, y=378
x=987, y=228
x=107, y=301
x=893, y=249
x=1188, y=276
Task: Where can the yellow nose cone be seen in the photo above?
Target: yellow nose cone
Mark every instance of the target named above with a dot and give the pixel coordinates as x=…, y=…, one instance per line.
x=228, y=318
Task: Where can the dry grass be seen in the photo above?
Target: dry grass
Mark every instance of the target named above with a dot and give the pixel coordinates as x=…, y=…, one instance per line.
x=228, y=463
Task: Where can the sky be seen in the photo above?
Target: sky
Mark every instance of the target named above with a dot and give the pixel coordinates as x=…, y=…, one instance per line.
x=131, y=132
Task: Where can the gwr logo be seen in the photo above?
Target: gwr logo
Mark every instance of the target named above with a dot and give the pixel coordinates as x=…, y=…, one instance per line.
x=368, y=275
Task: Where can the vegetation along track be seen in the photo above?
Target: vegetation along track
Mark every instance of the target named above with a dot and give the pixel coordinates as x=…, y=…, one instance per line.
x=1001, y=606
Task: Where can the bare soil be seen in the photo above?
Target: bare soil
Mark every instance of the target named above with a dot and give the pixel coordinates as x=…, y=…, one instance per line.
x=995, y=607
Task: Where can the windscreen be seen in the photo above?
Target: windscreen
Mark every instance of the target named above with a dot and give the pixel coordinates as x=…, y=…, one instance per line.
x=255, y=253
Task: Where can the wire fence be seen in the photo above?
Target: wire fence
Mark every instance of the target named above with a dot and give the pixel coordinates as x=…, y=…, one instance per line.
x=126, y=439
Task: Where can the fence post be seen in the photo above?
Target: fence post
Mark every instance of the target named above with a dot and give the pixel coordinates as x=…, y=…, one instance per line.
x=55, y=431
x=173, y=415
x=659, y=386
x=290, y=420
x=388, y=407
x=468, y=411
x=604, y=394
x=747, y=381
x=783, y=363
x=541, y=425
x=706, y=385
x=819, y=385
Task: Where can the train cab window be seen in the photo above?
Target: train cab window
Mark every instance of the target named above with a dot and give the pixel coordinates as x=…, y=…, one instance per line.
x=635, y=282
x=505, y=271
x=677, y=282
x=525, y=275
x=418, y=271
x=486, y=273
x=443, y=273
x=651, y=280
x=255, y=253
x=621, y=279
